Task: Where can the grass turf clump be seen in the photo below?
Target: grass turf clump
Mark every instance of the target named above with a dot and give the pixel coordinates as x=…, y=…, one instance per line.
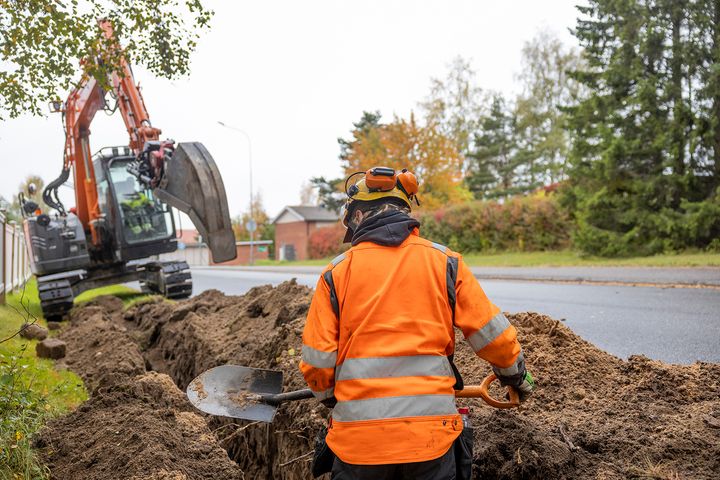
x=31, y=389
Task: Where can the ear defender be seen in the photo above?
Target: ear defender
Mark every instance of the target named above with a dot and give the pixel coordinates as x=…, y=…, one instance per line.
x=380, y=179
x=407, y=182
x=381, y=182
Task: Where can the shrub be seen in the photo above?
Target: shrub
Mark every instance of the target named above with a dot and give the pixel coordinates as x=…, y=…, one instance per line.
x=519, y=224
x=326, y=241
x=605, y=232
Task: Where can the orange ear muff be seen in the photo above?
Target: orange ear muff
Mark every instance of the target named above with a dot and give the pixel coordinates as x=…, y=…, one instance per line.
x=380, y=179
x=408, y=182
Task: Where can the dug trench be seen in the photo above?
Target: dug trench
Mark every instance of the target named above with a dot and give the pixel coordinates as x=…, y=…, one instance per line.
x=593, y=415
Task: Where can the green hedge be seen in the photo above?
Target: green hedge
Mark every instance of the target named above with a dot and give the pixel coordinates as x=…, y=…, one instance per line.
x=518, y=224
x=604, y=232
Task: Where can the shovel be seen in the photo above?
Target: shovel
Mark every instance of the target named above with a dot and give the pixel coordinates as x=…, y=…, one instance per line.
x=255, y=394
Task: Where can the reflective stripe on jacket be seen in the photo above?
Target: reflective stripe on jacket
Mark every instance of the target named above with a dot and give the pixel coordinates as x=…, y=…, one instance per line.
x=385, y=357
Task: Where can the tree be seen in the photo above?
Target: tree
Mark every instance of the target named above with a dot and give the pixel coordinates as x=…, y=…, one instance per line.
x=423, y=149
x=39, y=183
x=308, y=195
x=330, y=194
x=365, y=141
x=494, y=164
x=547, y=89
x=7, y=209
x=43, y=41
x=702, y=59
x=265, y=230
x=643, y=161
x=456, y=104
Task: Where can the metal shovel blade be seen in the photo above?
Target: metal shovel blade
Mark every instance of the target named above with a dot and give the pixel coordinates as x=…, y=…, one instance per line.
x=231, y=391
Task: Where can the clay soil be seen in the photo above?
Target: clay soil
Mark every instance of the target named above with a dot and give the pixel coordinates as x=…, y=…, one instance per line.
x=593, y=416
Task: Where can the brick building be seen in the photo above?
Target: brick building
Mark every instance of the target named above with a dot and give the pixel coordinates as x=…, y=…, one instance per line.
x=293, y=227
x=260, y=248
x=197, y=253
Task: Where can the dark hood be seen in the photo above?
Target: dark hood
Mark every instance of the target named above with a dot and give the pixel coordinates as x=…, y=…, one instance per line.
x=388, y=229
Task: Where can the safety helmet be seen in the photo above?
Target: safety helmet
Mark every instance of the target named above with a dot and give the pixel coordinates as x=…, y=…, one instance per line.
x=380, y=184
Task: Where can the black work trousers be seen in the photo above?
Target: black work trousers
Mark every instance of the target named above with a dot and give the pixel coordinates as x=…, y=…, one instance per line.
x=442, y=468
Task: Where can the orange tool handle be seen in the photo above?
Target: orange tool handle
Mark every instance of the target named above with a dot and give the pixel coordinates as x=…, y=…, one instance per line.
x=475, y=391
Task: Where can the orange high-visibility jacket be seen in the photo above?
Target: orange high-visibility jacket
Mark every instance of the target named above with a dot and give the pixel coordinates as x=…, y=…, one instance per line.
x=383, y=355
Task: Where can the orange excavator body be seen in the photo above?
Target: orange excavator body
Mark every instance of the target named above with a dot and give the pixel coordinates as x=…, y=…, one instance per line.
x=122, y=219
x=80, y=109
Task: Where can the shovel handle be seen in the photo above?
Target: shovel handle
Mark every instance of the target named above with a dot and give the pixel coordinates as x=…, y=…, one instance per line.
x=475, y=391
x=470, y=391
x=278, y=398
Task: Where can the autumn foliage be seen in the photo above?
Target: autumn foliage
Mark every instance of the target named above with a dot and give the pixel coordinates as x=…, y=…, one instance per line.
x=518, y=224
x=532, y=223
x=327, y=241
x=433, y=157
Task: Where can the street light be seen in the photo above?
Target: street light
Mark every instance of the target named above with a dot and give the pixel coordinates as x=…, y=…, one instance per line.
x=251, y=224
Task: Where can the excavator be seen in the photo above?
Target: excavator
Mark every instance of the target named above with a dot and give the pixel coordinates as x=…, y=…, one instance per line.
x=122, y=219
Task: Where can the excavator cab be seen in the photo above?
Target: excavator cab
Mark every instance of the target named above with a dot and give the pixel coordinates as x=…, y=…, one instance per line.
x=143, y=224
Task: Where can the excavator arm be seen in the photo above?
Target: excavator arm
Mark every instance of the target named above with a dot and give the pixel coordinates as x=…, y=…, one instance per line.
x=185, y=177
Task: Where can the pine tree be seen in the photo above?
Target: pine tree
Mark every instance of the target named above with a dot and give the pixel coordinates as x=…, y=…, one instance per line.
x=543, y=142
x=632, y=163
x=493, y=165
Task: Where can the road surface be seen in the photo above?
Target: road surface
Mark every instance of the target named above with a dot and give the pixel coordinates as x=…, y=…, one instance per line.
x=677, y=325
x=682, y=276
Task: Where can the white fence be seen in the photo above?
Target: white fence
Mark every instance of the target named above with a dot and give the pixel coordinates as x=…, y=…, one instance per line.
x=14, y=266
x=194, y=255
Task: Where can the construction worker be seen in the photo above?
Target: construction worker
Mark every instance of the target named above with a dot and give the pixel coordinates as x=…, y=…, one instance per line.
x=379, y=339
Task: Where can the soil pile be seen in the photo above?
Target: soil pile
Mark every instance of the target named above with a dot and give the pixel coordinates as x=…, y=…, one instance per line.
x=99, y=346
x=139, y=428
x=593, y=416
x=597, y=416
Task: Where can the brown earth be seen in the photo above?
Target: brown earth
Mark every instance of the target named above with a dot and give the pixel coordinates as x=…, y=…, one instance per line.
x=593, y=415
x=139, y=427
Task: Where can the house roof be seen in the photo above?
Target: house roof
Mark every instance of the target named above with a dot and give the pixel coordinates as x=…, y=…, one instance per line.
x=309, y=213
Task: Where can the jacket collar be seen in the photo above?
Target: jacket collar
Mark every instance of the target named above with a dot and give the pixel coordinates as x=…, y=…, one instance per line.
x=388, y=229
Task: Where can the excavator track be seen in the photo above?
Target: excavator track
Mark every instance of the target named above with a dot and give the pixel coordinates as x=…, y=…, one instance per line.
x=170, y=279
x=56, y=297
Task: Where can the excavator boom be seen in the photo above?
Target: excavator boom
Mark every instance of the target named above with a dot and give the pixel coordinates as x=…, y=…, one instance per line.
x=122, y=221
x=185, y=177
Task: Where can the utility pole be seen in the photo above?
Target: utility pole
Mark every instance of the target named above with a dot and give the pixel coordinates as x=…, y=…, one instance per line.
x=251, y=226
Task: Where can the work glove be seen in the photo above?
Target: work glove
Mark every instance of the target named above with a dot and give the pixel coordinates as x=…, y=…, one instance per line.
x=523, y=382
x=329, y=402
x=527, y=386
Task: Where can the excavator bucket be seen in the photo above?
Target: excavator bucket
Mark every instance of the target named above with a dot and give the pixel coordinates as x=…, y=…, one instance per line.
x=192, y=184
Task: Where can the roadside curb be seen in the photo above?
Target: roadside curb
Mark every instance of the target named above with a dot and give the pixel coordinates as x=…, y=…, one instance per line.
x=582, y=281
x=700, y=277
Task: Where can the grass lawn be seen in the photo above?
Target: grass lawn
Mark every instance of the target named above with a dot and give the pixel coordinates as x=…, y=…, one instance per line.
x=32, y=390
x=566, y=258
x=562, y=258
x=129, y=296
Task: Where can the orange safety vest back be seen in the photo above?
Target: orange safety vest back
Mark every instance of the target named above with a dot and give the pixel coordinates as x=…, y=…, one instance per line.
x=377, y=338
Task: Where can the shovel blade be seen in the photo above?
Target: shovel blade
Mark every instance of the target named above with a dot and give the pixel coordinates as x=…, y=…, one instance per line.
x=227, y=391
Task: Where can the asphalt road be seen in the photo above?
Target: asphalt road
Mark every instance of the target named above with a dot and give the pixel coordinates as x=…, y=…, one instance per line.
x=677, y=325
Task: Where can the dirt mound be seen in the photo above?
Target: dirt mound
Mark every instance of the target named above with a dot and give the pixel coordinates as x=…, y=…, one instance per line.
x=596, y=416
x=141, y=427
x=99, y=346
x=593, y=416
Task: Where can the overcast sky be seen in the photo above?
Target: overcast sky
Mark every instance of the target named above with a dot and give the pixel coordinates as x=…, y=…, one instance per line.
x=294, y=75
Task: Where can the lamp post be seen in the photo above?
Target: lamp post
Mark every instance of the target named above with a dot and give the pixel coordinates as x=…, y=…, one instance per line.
x=252, y=226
